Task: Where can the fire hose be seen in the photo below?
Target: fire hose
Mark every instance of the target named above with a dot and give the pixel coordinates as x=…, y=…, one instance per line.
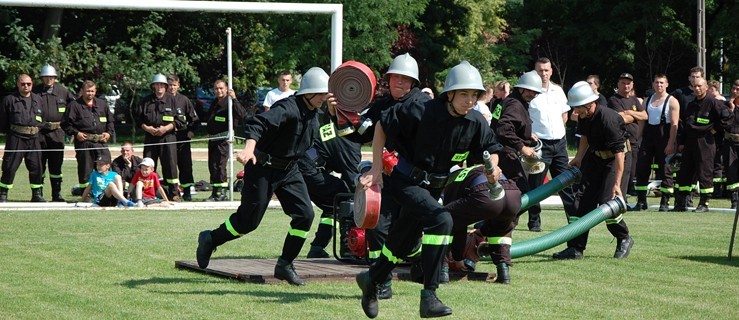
x=353, y=85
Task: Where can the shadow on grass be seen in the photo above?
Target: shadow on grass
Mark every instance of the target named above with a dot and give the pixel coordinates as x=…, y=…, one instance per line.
x=723, y=260
x=268, y=294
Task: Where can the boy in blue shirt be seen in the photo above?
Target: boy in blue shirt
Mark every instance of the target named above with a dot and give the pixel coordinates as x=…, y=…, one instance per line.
x=106, y=186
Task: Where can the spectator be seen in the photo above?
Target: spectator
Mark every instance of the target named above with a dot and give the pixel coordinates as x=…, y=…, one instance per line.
x=20, y=120
x=188, y=116
x=145, y=185
x=283, y=91
x=105, y=186
x=218, y=134
x=126, y=164
x=54, y=98
x=428, y=91
x=482, y=106
x=714, y=90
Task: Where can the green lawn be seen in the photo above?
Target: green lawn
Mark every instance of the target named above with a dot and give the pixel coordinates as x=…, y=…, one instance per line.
x=91, y=264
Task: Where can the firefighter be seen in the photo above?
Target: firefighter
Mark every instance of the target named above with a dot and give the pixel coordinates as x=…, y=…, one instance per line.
x=89, y=121
x=730, y=148
x=600, y=156
x=274, y=141
x=403, y=80
x=186, y=113
x=657, y=141
x=468, y=199
x=55, y=98
x=430, y=138
x=157, y=116
x=329, y=153
x=218, y=134
x=513, y=128
x=703, y=116
x=21, y=118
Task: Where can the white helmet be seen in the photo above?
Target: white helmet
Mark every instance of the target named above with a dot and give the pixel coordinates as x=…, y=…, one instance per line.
x=530, y=80
x=48, y=71
x=158, y=78
x=315, y=80
x=580, y=94
x=404, y=65
x=463, y=77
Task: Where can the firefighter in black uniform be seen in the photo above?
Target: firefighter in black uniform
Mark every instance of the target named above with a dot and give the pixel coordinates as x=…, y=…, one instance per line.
x=89, y=121
x=218, y=134
x=329, y=153
x=730, y=147
x=702, y=117
x=55, y=98
x=468, y=198
x=274, y=141
x=659, y=139
x=600, y=155
x=513, y=128
x=126, y=164
x=186, y=113
x=402, y=76
x=633, y=112
x=21, y=118
x=157, y=116
x=429, y=138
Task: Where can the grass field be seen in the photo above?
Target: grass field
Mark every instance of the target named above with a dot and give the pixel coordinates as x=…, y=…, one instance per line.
x=119, y=264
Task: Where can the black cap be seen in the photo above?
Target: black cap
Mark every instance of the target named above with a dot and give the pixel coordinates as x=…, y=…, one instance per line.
x=626, y=75
x=104, y=158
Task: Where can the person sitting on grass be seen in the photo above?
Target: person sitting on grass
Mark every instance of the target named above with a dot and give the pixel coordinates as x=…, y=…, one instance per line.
x=105, y=185
x=145, y=185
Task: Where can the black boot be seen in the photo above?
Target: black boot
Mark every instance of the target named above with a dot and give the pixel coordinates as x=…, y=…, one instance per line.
x=286, y=271
x=431, y=306
x=174, y=192
x=369, y=294
x=3, y=194
x=37, y=195
x=734, y=198
x=215, y=195
x=664, y=202
x=703, y=204
x=317, y=252
x=641, y=202
x=504, y=275
x=186, y=195
x=56, y=190
x=623, y=247
x=385, y=290
x=444, y=273
x=681, y=202
x=205, y=249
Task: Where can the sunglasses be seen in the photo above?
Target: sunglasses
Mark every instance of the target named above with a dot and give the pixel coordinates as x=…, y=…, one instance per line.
x=26, y=83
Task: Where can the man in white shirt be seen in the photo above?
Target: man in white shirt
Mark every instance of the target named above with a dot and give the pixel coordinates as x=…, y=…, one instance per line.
x=283, y=91
x=549, y=114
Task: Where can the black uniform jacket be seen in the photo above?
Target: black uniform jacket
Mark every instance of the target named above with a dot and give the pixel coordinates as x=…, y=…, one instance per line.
x=605, y=130
x=186, y=113
x=620, y=104
x=157, y=112
x=286, y=130
x=14, y=110
x=702, y=116
x=430, y=138
x=81, y=118
x=218, y=119
x=375, y=110
x=55, y=101
x=513, y=128
x=126, y=172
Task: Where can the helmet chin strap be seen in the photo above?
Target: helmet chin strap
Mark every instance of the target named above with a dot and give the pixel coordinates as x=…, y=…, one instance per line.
x=451, y=110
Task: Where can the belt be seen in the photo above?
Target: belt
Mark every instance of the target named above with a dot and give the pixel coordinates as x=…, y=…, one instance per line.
x=95, y=137
x=732, y=136
x=51, y=126
x=270, y=161
x=607, y=154
x=421, y=177
x=24, y=129
x=218, y=135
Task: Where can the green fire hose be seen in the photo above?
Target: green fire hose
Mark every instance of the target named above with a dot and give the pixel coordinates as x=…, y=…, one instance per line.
x=570, y=176
x=610, y=209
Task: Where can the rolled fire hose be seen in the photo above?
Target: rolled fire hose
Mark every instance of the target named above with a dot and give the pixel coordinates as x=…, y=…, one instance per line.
x=353, y=85
x=366, y=202
x=608, y=210
x=570, y=176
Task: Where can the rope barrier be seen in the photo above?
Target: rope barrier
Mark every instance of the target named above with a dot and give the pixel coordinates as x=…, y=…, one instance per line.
x=136, y=145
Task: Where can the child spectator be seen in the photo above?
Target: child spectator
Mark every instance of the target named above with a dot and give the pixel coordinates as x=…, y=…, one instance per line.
x=145, y=185
x=105, y=185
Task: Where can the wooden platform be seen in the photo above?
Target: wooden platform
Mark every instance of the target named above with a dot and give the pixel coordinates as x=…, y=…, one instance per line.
x=262, y=270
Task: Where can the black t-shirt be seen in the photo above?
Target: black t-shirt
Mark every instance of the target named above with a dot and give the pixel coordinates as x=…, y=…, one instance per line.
x=619, y=104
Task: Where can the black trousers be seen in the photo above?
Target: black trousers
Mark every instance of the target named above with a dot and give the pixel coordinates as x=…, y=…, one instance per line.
x=697, y=165
x=322, y=188
x=420, y=212
x=165, y=151
x=652, y=150
x=469, y=205
x=217, y=162
x=389, y=212
x=17, y=149
x=86, y=152
x=260, y=183
x=599, y=177
x=730, y=157
x=52, y=159
x=184, y=163
x=554, y=152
